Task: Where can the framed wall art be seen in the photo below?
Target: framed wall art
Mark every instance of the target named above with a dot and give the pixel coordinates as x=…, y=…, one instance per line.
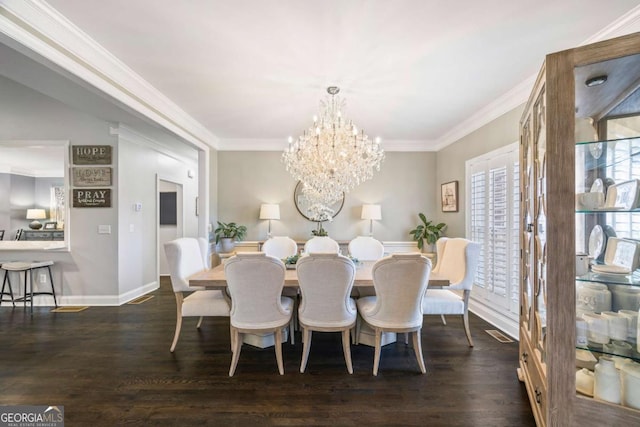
x=449, y=196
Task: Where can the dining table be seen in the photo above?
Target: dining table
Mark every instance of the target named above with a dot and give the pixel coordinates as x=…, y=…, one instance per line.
x=215, y=278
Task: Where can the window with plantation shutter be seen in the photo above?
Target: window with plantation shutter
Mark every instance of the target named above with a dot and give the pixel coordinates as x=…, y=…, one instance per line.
x=492, y=220
x=625, y=225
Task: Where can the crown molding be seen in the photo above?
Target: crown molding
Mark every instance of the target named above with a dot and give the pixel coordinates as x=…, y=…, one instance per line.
x=39, y=29
x=251, y=144
x=131, y=135
x=502, y=105
x=626, y=24
x=397, y=145
x=237, y=144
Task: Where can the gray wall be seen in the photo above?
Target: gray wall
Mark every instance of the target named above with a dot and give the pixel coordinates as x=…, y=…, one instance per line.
x=451, y=161
x=404, y=186
x=408, y=183
x=101, y=268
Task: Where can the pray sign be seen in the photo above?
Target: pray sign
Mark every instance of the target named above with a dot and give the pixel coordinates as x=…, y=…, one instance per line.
x=92, y=198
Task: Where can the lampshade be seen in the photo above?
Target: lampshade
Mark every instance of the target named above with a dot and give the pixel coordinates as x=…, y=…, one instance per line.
x=371, y=212
x=36, y=214
x=269, y=211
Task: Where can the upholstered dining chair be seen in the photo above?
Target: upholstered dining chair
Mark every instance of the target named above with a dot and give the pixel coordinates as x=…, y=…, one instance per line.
x=325, y=283
x=255, y=283
x=187, y=256
x=457, y=260
x=283, y=247
x=319, y=244
x=400, y=282
x=366, y=248
x=280, y=247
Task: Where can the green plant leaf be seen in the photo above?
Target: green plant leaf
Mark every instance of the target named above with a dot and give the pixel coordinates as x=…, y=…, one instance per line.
x=423, y=218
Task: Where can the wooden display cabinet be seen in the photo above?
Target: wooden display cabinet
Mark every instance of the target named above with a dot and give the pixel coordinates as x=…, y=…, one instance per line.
x=562, y=112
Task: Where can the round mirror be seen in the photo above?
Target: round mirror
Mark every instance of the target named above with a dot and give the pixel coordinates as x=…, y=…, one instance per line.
x=304, y=205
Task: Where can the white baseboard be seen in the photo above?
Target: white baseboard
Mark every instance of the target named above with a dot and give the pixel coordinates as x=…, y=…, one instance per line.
x=93, y=300
x=501, y=321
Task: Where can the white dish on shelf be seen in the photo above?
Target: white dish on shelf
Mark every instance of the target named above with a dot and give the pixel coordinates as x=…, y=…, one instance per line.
x=621, y=257
x=596, y=242
x=593, y=200
x=596, y=149
x=597, y=186
x=624, y=196
x=610, y=269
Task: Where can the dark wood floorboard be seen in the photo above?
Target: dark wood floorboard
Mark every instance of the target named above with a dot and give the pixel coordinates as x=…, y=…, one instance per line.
x=111, y=366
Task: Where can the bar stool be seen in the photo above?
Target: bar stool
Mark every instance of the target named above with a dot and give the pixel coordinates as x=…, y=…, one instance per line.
x=3, y=293
x=28, y=267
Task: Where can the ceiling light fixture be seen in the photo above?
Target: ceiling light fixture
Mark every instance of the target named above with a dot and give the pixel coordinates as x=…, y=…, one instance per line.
x=596, y=81
x=332, y=157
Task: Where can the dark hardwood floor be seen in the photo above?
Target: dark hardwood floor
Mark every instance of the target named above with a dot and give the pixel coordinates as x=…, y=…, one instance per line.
x=111, y=366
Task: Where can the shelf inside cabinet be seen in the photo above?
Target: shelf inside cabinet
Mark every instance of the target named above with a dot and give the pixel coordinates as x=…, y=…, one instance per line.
x=599, y=155
x=612, y=279
x=630, y=352
x=606, y=210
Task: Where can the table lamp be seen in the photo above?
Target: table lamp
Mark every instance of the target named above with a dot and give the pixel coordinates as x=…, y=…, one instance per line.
x=371, y=212
x=35, y=215
x=269, y=211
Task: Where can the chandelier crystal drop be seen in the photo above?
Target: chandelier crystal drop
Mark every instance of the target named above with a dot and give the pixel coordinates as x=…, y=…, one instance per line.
x=332, y=156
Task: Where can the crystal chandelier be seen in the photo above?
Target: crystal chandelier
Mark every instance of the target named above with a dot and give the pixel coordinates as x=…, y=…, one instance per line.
x=332, y=156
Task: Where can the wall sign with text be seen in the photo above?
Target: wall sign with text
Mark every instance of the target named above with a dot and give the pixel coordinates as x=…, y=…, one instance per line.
x=91, y=154
x=92, y=198
x=91, y=177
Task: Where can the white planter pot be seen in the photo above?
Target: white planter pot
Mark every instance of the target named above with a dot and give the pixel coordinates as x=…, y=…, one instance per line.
x=227, y=244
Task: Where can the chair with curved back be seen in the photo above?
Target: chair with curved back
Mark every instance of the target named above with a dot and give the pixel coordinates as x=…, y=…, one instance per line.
x=187, y=256
x=366, y=248
x=321, y=244
x=400, y=282
x=457, y=260
x=283, y=247
x=255, y=283
x=325, y=282
x=280, y=247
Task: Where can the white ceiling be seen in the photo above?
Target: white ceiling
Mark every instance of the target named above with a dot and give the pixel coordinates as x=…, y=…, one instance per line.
x=412, y=71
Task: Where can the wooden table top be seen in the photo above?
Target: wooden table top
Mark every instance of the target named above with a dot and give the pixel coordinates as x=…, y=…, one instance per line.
x=215, y=278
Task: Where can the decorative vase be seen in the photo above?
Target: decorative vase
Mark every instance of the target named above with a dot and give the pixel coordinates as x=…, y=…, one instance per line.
x=607, y=381
x=227, y=244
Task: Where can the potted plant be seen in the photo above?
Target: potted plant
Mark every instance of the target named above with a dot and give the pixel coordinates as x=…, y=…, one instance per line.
x=227, y=234
x=320, y=231
x=427, y=231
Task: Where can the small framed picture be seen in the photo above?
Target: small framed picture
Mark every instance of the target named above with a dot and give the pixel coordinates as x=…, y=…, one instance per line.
x=449, y=196
x=50, y=225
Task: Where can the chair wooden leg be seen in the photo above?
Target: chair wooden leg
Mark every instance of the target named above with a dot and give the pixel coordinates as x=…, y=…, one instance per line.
x=359, y=321
x=306, y=346
x=237, y=341
x=417, y=348
x=199, y=322
x=178, y=321
x=465, y=320
x=279, y=350
x=346, y=348
x=292, y=331
x=444, y=322
x=376, y=357
x=231, y=338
